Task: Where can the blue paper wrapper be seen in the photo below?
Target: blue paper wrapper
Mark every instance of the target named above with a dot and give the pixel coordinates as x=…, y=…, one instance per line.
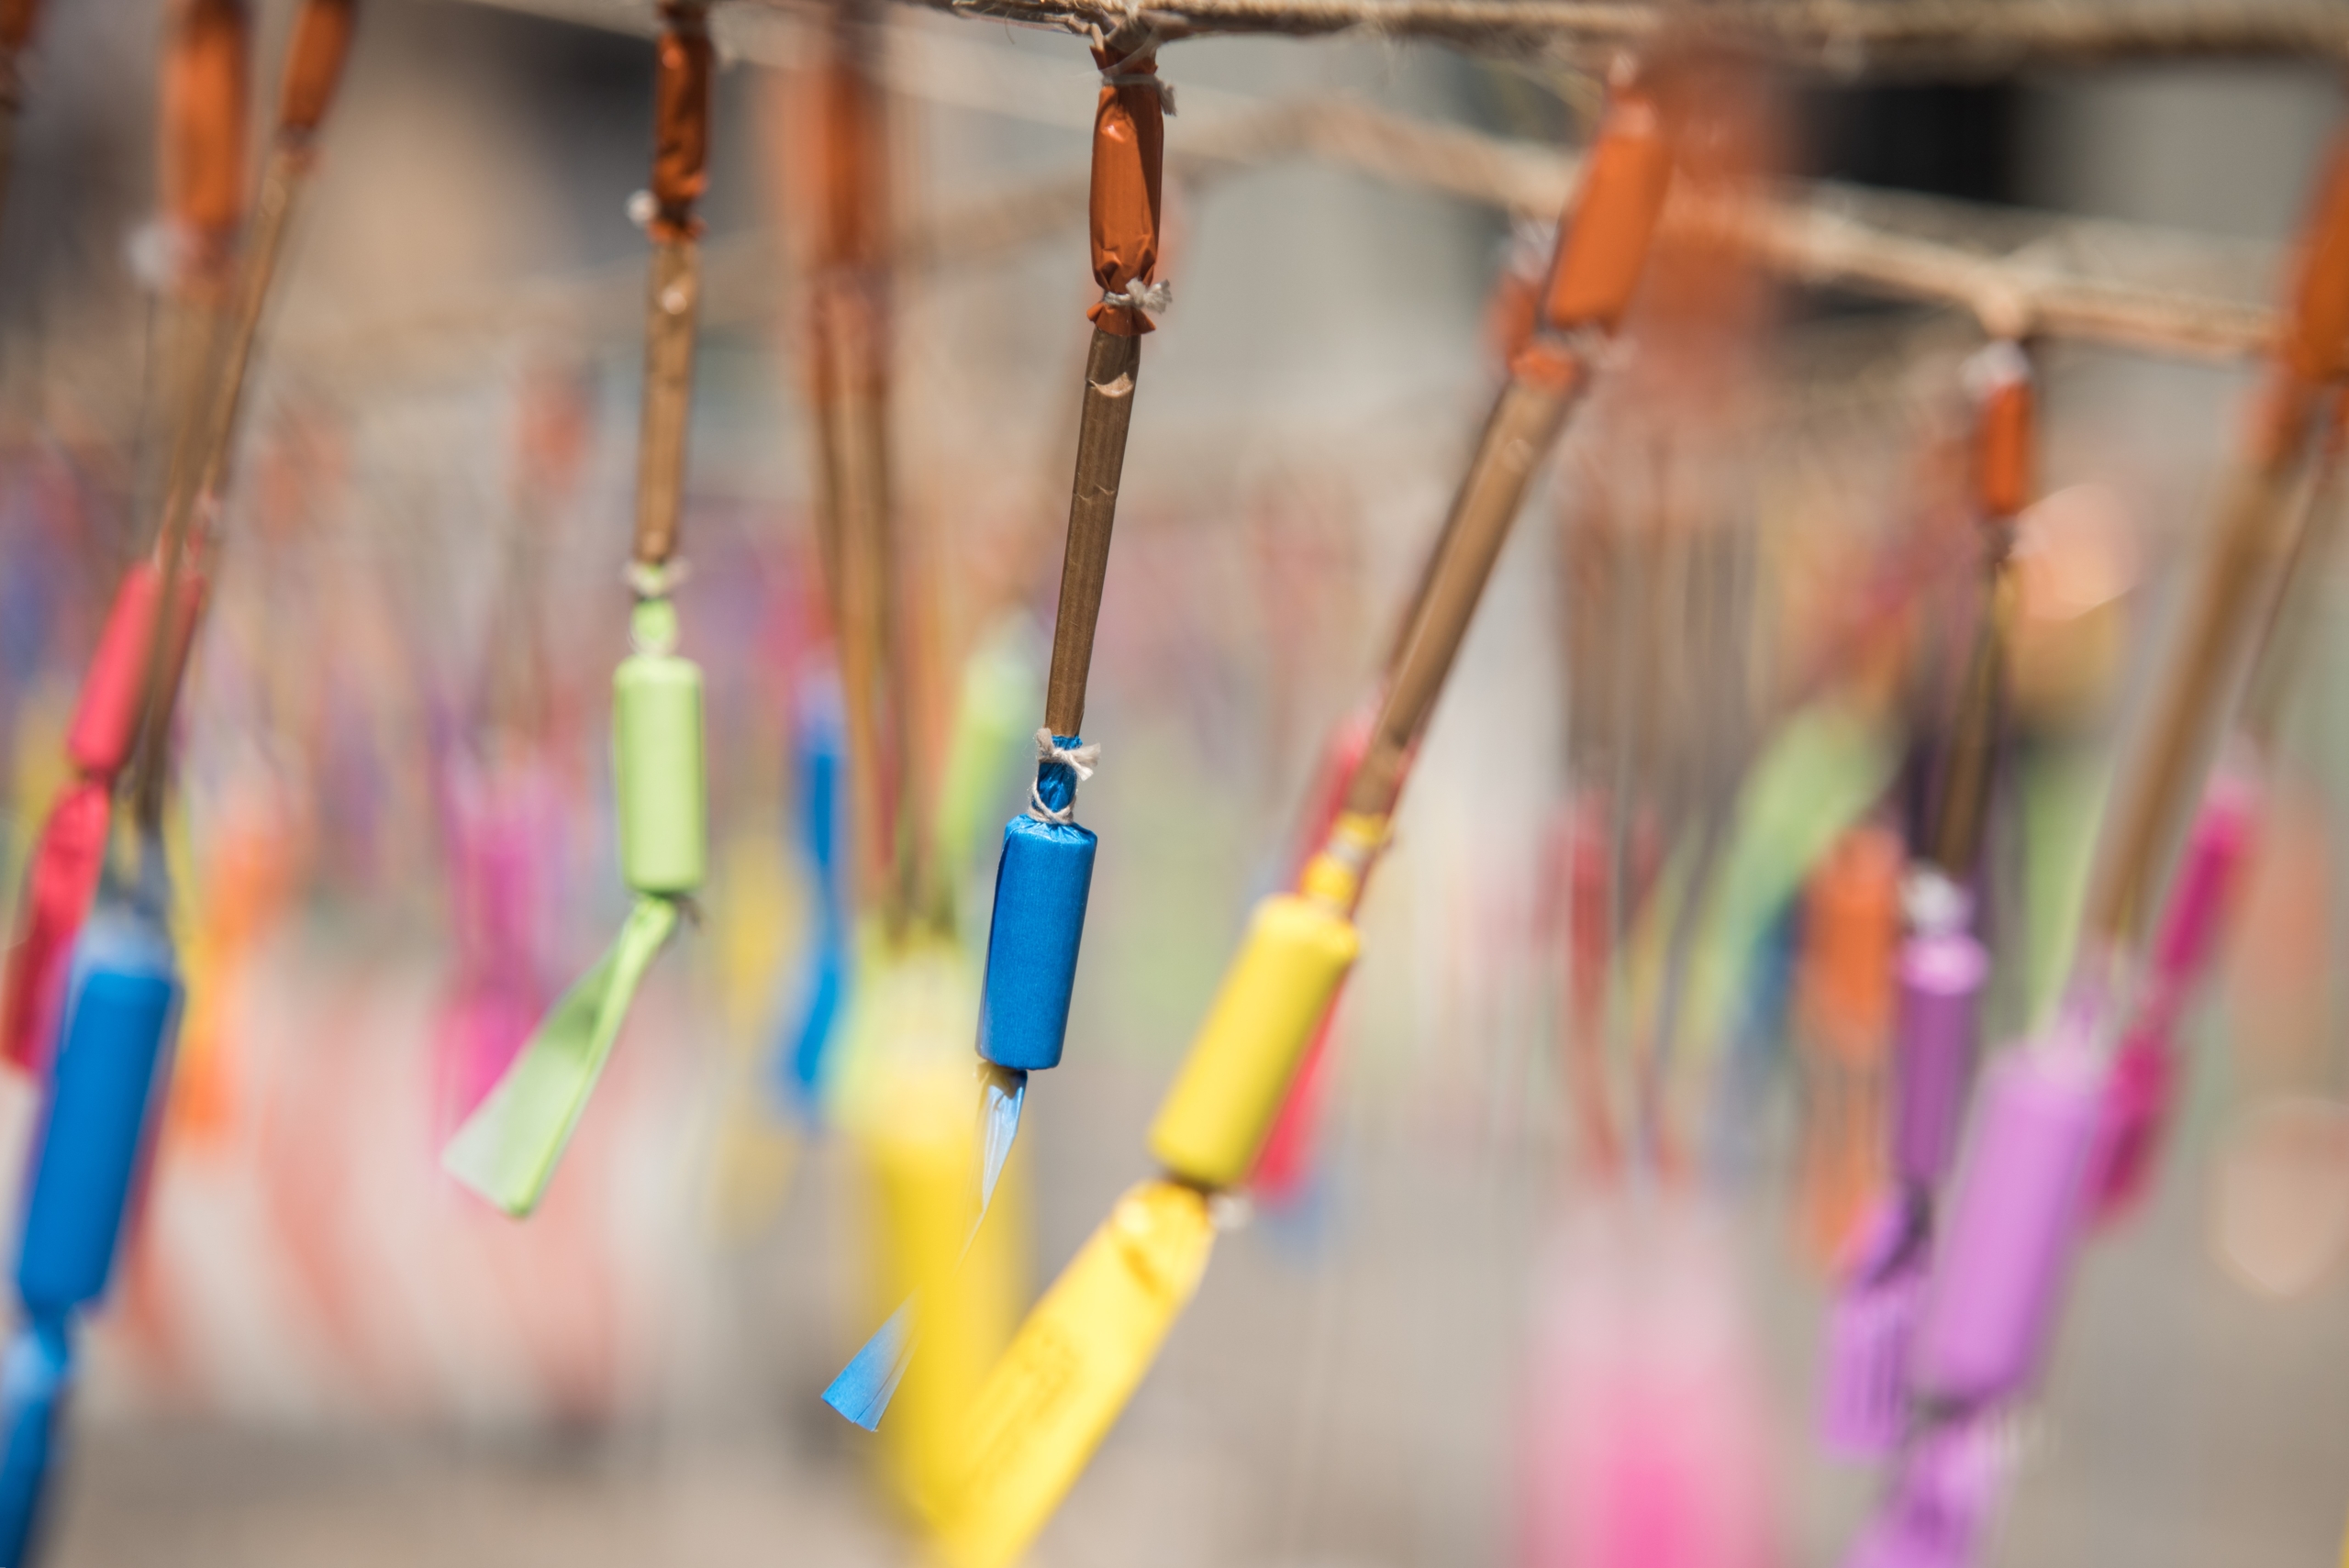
x=1041, y=890
x=32, y=1384
x=123, y=1003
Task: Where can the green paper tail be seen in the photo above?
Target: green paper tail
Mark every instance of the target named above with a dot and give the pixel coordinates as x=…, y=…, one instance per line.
x=507, y=1149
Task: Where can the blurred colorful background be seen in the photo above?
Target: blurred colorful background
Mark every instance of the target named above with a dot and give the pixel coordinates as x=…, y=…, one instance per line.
x=1570, y=1135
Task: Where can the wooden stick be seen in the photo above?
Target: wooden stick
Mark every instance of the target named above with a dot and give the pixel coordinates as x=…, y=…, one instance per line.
x=220, y=344
x=2276, y=657
x=1518, y=435
x=200, y=463
x=1974, y=733
x=204, y=96
x=671, y=313
x=852, y=411
x=284, y=180
x=683, y=63
x=1111, y=368
x=2002, y=453
x=2249, y=555
x=2248, y=548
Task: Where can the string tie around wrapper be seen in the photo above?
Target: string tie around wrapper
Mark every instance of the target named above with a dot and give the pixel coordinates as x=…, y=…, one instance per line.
x=1121, y=72
x=1051, y=757
x=1137, y=295
x=652, y=580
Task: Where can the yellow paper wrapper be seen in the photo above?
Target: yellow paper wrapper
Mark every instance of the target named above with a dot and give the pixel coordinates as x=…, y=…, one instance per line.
x=1214, y=1119
x=1071, y=1371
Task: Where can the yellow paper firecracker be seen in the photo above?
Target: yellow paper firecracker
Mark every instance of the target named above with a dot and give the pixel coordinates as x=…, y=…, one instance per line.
x=1070, y=1370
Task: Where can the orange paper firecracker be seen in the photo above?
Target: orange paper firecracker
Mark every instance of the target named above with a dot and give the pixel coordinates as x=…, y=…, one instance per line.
x=207, y=92
x=681, y=123
x=1128, y=154
x=314, y=63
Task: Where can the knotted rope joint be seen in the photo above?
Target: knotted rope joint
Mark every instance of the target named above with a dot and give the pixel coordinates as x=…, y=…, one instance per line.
x=1060, y=768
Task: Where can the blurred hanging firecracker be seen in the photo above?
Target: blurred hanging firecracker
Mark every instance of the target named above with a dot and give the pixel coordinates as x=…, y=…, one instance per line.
x=1646, y=1442
x=202, y=164
x=1942, y=966
x=63, y=874
x=818, y=749
x=226, y=318
x=496, y=799
x=1844, y=1004
x=508, y=1147
x=2224, y=844
x=2015, y=1212
x=2258, y=877
x=833, y=207
x=123, y=995
x=1045, y=873
x=1287, y=1162
x=838, y=207
x=1077, y=1360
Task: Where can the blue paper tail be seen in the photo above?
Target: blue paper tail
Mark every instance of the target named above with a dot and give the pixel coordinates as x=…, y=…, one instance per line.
x=865, y=1387
x=806, y=1046
x=33, y=1381
x=1003, y=1095
x=809, y=1060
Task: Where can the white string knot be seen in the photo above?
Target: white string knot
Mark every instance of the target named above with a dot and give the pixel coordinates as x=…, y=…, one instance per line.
x=1998, y=364
x=1116, y=76
x=1355, y=854
x=1124, y=70
x=653, y=579
x=1079, y=760
x=1139, y=296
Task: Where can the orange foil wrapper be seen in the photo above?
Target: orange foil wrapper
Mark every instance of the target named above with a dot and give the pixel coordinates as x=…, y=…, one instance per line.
x=1128, y=154
x=830, y=148
x=314, y=63
x=1603, y=245
x=2005, y=449
x=681, y=125
x=2317, y=347
x=205, y=94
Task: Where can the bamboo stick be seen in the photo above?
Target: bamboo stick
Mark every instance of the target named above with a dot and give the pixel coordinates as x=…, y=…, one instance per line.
x=1110, y=370
x=838, y=207
x=1518, y=433
x=2249, y=546
x=2003, y=470
x=2248, y=553
x=208, y=426
x=1122, y=211
x=2277, y=651
x=672, y=295
x=669, y=328
x=204, y=94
